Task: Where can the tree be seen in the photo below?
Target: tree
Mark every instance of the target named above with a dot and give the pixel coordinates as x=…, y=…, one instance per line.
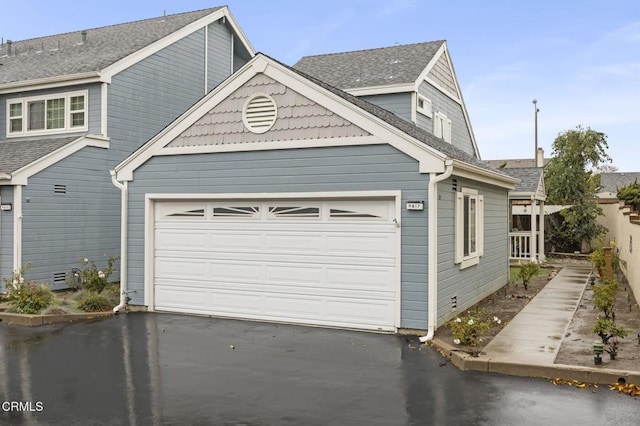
x=571, y=178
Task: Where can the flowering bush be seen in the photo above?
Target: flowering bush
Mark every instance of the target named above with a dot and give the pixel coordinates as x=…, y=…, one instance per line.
x=89, y=277
x=468, y=330
x=27, y=297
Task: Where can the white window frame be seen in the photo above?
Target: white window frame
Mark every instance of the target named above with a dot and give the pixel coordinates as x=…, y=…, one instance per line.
x=68, y=114
x=426, y=108
x=470, y=256
x=442, y=127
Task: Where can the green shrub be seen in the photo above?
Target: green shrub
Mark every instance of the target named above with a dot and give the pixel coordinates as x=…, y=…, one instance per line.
x=94, y=303
x=609, y=332
x=526, y=272
x=604, y=297
x=468, y=330
x=90, y=277
x=27, y=297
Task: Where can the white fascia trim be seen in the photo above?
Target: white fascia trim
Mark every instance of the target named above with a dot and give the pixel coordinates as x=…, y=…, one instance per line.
x=124, y=170
x=50, y=82
x=424, y=76
x=267, y=146
x=21, y=176
x=381, y=90
x=430, y=160
x=526, y=196
x=273, y=195
x=483, y=175
x=121, y=65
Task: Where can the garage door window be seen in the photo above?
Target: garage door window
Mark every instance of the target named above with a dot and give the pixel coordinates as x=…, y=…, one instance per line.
x=290, y=212
x=240, y=212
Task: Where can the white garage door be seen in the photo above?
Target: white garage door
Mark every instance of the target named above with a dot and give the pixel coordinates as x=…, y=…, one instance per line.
x=308, y=262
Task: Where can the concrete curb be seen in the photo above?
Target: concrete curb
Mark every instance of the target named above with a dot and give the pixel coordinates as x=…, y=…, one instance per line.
x=37, y=320
x=466, y=362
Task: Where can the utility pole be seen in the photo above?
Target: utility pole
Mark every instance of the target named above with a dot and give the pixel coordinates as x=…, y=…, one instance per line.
x=536, y=111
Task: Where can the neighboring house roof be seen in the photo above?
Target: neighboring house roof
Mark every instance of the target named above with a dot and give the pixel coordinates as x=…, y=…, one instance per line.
x=262, y=63
x=610, y=182
x=53, y=57
x=373, y=67
x=523, y=163
x=531, y=180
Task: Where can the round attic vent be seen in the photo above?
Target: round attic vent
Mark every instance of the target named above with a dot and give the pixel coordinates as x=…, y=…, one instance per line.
x=259, y=113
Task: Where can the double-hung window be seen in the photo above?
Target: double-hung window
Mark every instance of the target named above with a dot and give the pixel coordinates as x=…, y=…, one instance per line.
x=469, y=227
x=47, y=114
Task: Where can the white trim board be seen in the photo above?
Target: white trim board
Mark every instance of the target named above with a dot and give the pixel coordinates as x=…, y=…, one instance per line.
x=149, y=229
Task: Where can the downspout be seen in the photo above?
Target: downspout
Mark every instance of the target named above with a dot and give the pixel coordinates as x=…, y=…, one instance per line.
x=433, y=249
x=123, y=240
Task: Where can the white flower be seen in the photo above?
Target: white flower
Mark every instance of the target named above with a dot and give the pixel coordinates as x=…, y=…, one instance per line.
x=496, y=319
x=456, y=341
x=85, y=260
x=470, y=322
x=458, y=320
x=21, y=280
x=100, y=274
x=499, y=321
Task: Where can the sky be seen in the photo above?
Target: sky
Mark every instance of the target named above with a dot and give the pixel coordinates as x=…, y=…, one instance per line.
x=580, y=59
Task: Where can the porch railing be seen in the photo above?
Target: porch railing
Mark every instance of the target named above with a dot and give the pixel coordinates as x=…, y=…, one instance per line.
x=520, y=245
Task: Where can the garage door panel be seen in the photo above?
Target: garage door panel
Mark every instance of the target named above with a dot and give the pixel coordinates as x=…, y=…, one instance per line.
x=294, y=243
x=326, y=270
x=182, y=239
x=361, y=245
x=302, y=275
x=369, y=279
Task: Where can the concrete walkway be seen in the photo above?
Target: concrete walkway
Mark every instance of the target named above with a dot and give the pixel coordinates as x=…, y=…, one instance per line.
x=535, y=334
x=529, y=344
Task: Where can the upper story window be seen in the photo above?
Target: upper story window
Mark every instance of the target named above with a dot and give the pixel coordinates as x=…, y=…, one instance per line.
x=47, y=114
x=424, y=106
x=442, y=127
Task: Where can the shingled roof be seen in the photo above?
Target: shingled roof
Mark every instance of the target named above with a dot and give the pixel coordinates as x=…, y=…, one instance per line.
x=373, y=67
x=610, y=182
x=529, y=178
x=16, y=154
x=405, y=126
x=67, y=54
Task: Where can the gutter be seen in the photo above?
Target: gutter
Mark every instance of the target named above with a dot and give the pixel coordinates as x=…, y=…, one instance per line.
x=433, y=249
x=123, y=239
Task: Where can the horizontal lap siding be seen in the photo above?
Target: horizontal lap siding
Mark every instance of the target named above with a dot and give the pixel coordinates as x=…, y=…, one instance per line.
x=60, y=229
x=146, y=97
x=219, y=45
x=474, y=283
x=397, y=103
x=371, y=168
x=460, y=133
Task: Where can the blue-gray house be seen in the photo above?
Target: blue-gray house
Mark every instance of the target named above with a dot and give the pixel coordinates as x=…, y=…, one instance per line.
x=73, y=106
x=281, y=197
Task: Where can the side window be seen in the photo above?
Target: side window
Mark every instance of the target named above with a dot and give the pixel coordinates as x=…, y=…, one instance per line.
x=442, y=127
x=424, y=106
x=469, y=227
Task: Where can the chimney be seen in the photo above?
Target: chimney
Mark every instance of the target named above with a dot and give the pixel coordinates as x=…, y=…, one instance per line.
x=540, y=158
x=84, y=36
x=9, y=43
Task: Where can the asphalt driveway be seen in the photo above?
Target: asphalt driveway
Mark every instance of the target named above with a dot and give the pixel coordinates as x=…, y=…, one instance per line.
x=143, y=369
